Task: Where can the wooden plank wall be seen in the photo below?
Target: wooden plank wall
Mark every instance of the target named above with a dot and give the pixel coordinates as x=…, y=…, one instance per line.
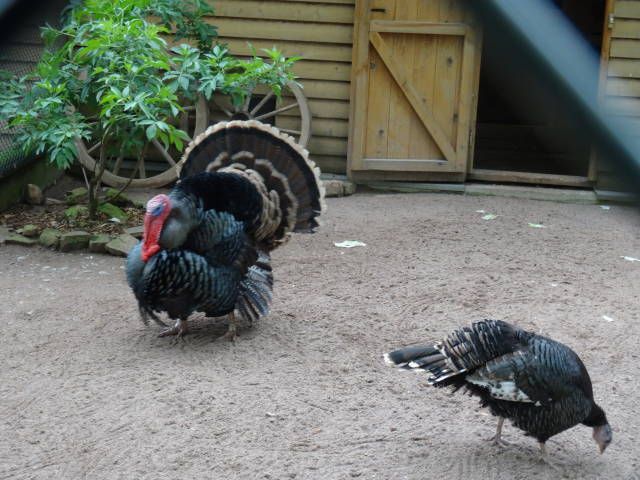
x=620, y=88
x=320, y=32
x=622, y=91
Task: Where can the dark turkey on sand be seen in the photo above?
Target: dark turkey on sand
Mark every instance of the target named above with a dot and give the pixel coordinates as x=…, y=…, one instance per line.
x=244, y=187
x=541, y=385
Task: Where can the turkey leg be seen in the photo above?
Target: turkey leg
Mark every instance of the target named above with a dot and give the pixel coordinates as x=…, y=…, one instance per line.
x=497, y=438
x=232, y=329
x=544, y=456
x=180, y=328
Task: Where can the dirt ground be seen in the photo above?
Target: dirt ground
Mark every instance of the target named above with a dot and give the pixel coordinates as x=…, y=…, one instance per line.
x=86, y=391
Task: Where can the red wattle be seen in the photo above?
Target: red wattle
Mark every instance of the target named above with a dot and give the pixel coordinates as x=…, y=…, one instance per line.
x=151, y=236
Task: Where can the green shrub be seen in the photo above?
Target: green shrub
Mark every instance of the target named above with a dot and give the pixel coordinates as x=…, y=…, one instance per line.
x=109, y=75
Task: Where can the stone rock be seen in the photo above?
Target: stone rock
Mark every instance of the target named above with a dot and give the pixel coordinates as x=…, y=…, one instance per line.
x=76, y=195
x=337, y=185
x=140, y=196
x=349, y=187
x=17, y=239
x=135, y=231
x=50, y=238
x=28, y=231
x=333, y=188
x=33, y=194
x=76, y=211
x=121, y=245
x=98, y=243
x=111, y=211
x=76, y=240
x=4, y=233
x=120, y=200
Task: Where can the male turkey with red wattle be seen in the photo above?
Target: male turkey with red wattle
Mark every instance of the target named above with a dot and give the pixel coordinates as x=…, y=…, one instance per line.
x=244, y=187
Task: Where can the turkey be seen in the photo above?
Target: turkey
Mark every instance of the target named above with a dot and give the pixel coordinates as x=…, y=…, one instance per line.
x=243, y=188
x=541, y=385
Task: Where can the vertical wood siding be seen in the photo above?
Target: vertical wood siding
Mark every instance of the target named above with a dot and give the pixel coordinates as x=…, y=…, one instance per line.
x=623, y=71
x=620, y=87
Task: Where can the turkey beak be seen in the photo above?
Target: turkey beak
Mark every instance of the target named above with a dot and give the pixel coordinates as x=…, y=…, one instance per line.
x=602, y=435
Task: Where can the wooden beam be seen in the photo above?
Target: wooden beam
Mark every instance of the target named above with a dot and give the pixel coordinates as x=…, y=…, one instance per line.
x=409, y=165
x=330, y=164
x=626, y=28
x=624, y=48
x=335, y=71
x=623, y=87
x=325, y=89
x=467, y=109
x=325, y=109
x=341, y=2
x=477, y=39
x=430, y=28
x=278, y=10
x=528, y=177
x=359, y=86
x=323, y=127
x=404, y=82
x=280, y=30
x=627, y=9
x=622, y=67
x=622, y=105
x=309, y=51
x=327, y=146
x=386, y=176
x=605, y=55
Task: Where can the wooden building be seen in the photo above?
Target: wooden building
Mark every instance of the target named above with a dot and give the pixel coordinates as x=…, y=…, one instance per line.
x=410, y=74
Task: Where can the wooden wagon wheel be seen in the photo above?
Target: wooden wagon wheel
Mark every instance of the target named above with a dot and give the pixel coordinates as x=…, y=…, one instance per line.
x=293, y=103
x=111, y=175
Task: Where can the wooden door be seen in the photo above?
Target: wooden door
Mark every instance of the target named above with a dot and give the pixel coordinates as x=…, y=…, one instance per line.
x=414, y=80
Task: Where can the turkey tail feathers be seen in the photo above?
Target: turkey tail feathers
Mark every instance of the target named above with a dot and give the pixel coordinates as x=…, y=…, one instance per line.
x=462, y=351
x=280, y=169
x=421, y=359
x=401, y=357
x=256, y=290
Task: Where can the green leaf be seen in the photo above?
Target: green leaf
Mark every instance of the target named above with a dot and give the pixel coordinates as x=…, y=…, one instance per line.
x=151, y=132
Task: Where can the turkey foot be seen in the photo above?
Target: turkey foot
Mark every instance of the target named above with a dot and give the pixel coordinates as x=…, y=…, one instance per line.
x=179, y=329
x=232, y=329
x=544, y=457
x=497, y=438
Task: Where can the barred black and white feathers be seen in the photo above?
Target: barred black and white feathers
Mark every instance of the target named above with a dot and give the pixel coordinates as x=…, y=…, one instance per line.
x=255, y=291
x=180, y=282
x=462, y=351
x=538, y=383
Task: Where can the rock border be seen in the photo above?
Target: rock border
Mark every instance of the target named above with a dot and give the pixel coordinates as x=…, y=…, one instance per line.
x=74, y=241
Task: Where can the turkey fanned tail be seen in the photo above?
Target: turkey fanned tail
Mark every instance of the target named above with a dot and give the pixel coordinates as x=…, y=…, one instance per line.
x=291, y=195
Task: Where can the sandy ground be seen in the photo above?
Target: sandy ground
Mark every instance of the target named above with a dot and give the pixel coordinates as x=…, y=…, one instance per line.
x=87, y=391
